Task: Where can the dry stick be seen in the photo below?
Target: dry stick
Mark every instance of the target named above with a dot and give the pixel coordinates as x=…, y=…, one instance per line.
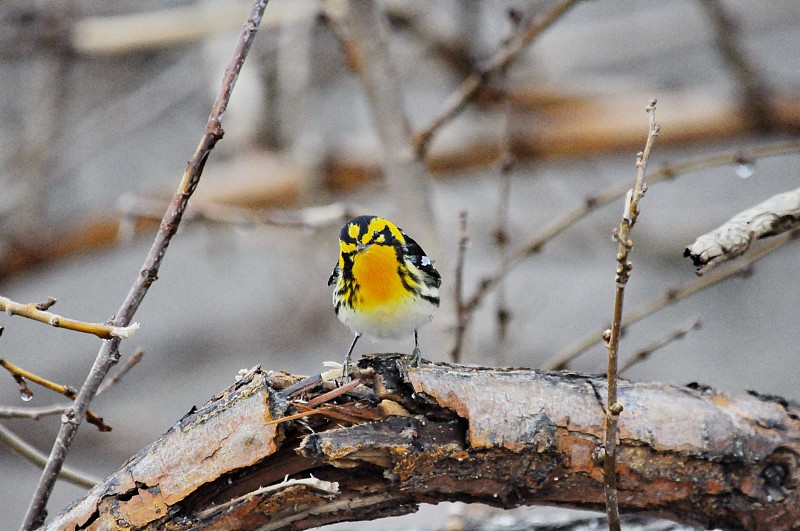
x=109, y=352
x=592, y=203
x=646, y=352
x=365, y=30
x=624, y=267
x=36, y=313
x=456, y=102
x=778, y=214
x=461, y=315
x=755, y=104
x=672, y=296
x=28, y=452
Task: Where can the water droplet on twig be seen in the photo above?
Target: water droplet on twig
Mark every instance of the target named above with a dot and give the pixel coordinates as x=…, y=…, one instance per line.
x=745, y=170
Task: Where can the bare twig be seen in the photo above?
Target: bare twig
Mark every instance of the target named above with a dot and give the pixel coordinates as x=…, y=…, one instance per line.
x=470, y=87
x=310, y=218
x=32, y=413
x=109, y=352
x=21, y=375
x=672, y=296
x=755, y=105
x=35, y=413
x=37, y=313
x=592, y=203
x=461, y=315
x=662, y=342
x=612, y=335
x=27, y=451
x=776, y=215
x=135, y=357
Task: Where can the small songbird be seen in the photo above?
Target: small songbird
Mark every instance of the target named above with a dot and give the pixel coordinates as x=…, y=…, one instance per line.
x=385, y=286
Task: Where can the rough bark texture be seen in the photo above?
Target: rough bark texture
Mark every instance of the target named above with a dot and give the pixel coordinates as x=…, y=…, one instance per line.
x=505, y=437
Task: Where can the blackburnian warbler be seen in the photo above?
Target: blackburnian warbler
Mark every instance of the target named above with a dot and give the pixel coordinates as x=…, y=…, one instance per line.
x=385, y=286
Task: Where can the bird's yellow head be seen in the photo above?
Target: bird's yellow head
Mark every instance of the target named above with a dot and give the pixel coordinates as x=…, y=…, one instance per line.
x=365, y=231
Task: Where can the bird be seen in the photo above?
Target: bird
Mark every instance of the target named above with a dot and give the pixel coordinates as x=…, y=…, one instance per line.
x=385, y=286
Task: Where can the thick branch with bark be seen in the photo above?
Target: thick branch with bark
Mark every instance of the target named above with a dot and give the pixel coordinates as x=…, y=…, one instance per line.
x=506, y=437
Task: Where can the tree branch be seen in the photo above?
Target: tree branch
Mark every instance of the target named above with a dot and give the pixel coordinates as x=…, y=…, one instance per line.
x=109, y=352
x=456, y=102
x=778, y=214
x=36, y=313
x=444, y=432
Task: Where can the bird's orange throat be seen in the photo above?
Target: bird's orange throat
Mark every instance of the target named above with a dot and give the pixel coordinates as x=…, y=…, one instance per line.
x=375, y=272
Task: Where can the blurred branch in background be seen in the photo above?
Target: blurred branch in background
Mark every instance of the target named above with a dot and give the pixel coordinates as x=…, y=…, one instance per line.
x=649, y=350
x=755, y=104
x=27, y=451
x=471, y=86
x=134, y=209
x=671, y=296
x=593, y=202
x=365, y=33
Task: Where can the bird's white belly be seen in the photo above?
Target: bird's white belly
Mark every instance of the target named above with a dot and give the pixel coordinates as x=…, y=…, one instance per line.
x=389, y=321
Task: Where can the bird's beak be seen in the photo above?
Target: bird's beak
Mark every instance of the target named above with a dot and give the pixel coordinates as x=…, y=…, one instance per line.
x=361, y=247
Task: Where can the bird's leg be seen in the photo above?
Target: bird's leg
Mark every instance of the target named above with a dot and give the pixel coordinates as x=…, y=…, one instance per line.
x=416, y=353
x=346, y=364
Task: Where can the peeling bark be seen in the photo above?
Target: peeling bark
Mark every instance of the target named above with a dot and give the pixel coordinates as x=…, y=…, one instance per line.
x=506, y=437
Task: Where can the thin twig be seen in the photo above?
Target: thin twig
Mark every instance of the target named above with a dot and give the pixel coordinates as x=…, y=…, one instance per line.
x=35, y=413
x=461, y=315
x=109, y=352
x=470, y=87
x=32, y=413
x=27, y=451
x=34, y=311
x=135, y=357
x=19, y=372
x=592, y=203
x=612, y=335
x=660, y=343
x=672, y=296
x=21, y=376
x=308, y=218
x=755, y=105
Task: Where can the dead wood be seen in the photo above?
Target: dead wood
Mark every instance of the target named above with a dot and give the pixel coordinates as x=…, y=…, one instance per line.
x=778, y=214
x=505, y=437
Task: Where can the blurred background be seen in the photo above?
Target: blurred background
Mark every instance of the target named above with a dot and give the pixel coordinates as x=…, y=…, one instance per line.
x=104, y=102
